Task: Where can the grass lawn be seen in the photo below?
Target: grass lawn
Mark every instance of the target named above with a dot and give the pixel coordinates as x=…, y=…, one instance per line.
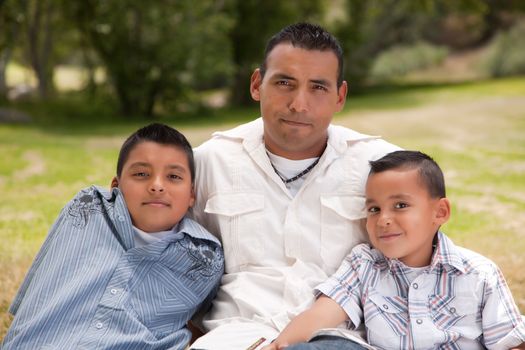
x=475, y=131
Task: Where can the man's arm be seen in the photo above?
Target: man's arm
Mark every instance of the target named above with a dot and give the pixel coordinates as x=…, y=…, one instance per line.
x=324, y=313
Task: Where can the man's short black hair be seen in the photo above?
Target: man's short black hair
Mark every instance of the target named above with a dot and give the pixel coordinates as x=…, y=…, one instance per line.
x=158, y=133
x=429, y=171
x=309, y=37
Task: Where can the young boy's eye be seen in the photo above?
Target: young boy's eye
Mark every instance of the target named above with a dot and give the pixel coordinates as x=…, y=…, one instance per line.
x=373, y=210
x=174, y=177
x=140, y=174
x=401, y=205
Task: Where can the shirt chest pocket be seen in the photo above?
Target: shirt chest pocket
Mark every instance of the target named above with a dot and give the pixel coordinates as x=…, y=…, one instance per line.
x=240, y=217
x=386, y=320
x=342, y=226
x=456, y=315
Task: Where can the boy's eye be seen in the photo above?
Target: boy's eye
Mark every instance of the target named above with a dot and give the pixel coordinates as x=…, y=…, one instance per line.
x=401, y=205
x=140, y=174
x=174, y=177
x=373, y=210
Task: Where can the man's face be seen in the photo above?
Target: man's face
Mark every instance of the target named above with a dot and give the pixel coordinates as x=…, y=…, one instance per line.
x=156, y=185
x=298, y=97
x=402, y=218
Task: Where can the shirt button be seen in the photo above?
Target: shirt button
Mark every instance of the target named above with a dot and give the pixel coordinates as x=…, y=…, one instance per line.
x=121, y=218
x=452, y=310
x=113, y=291
x=99, y=325
x=385, y=306
x=415, y=286
x=419, y=321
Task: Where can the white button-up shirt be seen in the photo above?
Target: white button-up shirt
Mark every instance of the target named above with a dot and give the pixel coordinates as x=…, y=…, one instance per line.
x=277, y=246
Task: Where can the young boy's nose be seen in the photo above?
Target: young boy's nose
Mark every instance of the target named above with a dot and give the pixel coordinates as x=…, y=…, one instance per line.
x=384, y=220
x=156, y=185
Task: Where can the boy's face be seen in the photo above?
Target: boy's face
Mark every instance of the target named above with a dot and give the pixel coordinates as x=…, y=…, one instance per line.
x=156, y=184
x=402, y=218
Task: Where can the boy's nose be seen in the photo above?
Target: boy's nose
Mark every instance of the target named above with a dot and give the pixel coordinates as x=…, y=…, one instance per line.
x=156, y=185
x=384, y=220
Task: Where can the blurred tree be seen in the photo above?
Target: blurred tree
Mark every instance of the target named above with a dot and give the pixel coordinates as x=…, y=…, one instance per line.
x=255, y=22
x=10, y=19
x=154, y=50
x=373, y=26
x=40, y=23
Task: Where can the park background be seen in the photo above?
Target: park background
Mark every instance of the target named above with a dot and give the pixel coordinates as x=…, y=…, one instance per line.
x=76, y=77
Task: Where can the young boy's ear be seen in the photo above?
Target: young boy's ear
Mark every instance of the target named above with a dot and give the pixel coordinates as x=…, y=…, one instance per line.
x=114, y=182
x=442, y=211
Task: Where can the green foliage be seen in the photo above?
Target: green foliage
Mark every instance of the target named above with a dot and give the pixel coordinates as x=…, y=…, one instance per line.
x=155, y=51
x=402, y=59
x=255, y=22
x=506, y=55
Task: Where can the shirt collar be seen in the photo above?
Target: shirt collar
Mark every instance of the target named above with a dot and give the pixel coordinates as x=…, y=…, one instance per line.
x=445, y=254
x=251, y=135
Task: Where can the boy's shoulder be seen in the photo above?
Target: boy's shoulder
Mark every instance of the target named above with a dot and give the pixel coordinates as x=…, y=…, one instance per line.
x=466, y=260
x=197, y=231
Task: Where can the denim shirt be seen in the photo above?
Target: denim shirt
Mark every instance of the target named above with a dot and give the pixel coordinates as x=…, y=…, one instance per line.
x=90, y=288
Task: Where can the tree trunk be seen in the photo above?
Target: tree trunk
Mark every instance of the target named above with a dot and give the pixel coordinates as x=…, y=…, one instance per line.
x=40, y=45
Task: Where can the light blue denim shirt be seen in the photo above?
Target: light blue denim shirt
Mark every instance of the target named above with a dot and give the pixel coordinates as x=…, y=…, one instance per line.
x=90, y=288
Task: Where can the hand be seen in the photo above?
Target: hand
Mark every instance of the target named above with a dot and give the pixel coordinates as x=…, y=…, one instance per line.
x=274, y=346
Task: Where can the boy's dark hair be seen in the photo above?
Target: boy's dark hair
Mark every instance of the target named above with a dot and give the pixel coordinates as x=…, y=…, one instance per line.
x=309, y=37
x=429, y=171
x=158, y=133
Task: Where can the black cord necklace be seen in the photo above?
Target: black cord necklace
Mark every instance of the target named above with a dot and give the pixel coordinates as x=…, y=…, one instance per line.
x=298, y=176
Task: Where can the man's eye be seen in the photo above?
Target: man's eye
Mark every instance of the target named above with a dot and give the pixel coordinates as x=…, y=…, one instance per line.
x=283, y=82
x=401, y=205
x=320, y=87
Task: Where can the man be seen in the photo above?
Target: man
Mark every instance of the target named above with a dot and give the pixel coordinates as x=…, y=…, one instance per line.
x=285, y=192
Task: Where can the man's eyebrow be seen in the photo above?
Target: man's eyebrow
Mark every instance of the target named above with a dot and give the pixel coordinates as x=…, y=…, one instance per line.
x=282, y=76
x=322, y=82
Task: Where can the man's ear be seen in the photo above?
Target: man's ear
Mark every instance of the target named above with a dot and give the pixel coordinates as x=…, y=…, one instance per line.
x=341, y=95
x=442, y=211
x=255, y=84
x=114, y=182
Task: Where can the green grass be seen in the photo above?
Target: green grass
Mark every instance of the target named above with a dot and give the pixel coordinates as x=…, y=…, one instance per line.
x=475, y=131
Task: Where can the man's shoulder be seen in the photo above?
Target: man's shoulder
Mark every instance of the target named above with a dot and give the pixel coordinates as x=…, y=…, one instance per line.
x=347, y=140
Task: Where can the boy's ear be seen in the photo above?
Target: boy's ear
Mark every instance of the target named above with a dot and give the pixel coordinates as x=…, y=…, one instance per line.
x=442, y=211
x=114, y=182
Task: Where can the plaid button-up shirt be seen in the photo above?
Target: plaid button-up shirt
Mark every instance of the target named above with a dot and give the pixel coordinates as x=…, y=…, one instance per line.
x=460, y=301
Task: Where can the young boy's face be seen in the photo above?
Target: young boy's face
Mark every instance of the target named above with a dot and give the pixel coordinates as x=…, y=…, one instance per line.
x=402, y=218
x=156, y=184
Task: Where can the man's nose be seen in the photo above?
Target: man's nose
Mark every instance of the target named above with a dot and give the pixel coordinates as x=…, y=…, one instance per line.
x=299, y=102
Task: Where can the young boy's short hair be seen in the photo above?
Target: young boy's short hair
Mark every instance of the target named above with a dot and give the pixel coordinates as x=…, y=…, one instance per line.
x=429, y=171
x=158, y=133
